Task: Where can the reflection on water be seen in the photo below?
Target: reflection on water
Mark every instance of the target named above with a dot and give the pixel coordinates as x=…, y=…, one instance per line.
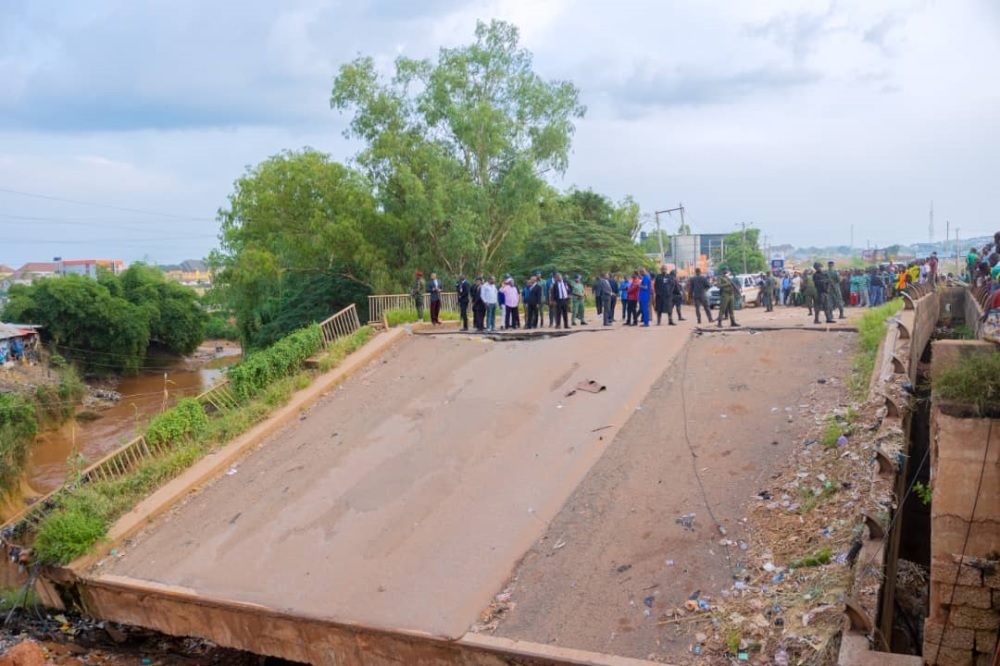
x=54, y=452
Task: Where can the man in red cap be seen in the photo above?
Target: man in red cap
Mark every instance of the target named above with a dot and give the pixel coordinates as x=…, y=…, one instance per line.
x=417, y=294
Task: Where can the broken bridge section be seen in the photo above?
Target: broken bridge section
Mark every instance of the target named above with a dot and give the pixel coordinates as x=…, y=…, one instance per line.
x=404, y=499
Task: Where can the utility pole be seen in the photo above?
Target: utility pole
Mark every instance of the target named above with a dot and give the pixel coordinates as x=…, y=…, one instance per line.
x=659, y=234
x=947, y=237
x=744, y=225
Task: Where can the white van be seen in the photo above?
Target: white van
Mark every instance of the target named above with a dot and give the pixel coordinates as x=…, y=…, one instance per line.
x=749, y=289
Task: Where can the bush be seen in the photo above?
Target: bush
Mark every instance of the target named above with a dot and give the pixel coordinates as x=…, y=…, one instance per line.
x=69, y=532
x=871, y=331
x=18, y=426
x=400, y=316
x=185, y=420
x=973, y=381
x=255, y=372
x=57, y=402
x=220, y=327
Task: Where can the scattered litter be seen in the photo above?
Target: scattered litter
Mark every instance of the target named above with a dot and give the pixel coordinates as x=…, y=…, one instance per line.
x=232, y=470
x=686, y=521
x=723, y=416
x=560, y=544
x=670, y=563
x=821, y=380
x=623, y=568
x=573, y=392
x=602, y=428
x=842, y=440
x=558, y=406
x=649, y=601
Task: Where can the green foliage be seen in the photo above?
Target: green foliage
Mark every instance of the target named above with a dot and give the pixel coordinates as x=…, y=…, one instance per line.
x=57, y=402
x=819, y=558
x=70, y=531
x=259, y=369
x=974, y=381
x=185, y=420
x=924, y=492
x=831, y=433
x=871, y=331
x=220, y=326
x=399, y=316
x=455, y=146
x=301, y=238
x=18, y=426
x=17, y=597
x=743, y=253
x=107, y=324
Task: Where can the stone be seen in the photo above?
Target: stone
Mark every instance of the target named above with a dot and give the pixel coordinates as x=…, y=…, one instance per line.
x=955, y=637
x=974, y=618
x=947, y=656
x=26, y=653
x=973, y=597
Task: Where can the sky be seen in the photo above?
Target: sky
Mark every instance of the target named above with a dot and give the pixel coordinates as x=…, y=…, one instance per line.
x=123, y=124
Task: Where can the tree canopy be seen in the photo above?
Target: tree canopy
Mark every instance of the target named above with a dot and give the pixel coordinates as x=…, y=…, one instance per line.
x=743, y=253
x=456, y=147
x=107, y=324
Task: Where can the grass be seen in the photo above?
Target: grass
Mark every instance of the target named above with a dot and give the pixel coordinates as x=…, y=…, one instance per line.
x=817, y=559
x=11, y=597
x=84, y=514
x=871, y=331
x=974, y=380
x=401, y=316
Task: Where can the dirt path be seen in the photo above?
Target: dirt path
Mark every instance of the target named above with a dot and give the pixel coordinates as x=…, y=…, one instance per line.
x=639, y=536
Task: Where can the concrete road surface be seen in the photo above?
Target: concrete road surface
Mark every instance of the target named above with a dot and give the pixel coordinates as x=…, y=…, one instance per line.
x=406, y=497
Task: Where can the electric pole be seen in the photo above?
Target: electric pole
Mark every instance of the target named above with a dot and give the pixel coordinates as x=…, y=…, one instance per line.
x=659, y=234
x=744, y=225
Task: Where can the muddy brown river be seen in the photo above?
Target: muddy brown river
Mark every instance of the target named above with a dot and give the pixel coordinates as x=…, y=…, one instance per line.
x=78, y=443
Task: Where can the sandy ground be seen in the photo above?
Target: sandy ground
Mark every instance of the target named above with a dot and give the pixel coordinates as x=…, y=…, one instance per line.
x=619, y=555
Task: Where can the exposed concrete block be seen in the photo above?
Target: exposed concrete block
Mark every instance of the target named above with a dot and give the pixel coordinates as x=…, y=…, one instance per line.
x=986, y=641
x=954, y=637
x=974, y=618
x=946, y=353
x=944, y=569
x=945, y=656
x=973, y=597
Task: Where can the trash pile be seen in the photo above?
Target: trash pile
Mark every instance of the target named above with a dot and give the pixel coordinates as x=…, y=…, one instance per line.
x=800, y=558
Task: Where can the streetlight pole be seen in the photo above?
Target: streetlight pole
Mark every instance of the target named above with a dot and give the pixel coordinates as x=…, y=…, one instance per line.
x=744, y=249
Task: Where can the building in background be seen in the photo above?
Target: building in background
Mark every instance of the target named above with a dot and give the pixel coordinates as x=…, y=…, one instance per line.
x=192, y=272
x=88, y=267
x=689, y=251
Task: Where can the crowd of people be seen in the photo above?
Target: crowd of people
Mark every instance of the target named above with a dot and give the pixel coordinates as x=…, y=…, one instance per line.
x=558, y=301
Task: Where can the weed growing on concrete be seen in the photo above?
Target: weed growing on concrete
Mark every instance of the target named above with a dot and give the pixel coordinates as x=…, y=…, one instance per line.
x=400, y=316
x=871, y=330
x=343, y=347
x=17, y=596
x=831, y=433
x=973, y=381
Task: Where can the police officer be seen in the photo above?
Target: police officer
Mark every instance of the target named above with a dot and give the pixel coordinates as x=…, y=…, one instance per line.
x=823, y=297
x=727, y=298
x=699, y=286
x=664, y=296
x=835, y=295
x=809, y=290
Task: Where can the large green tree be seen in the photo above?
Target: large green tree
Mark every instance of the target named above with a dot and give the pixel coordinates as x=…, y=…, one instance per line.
x=743, y=253
x=455, y=147
x=300, y=239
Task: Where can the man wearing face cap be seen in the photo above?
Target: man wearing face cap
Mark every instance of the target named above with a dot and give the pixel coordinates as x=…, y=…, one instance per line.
x=577, y=290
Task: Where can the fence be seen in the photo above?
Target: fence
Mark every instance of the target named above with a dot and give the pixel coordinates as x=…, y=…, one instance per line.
x=380, y=304
x=341, y=325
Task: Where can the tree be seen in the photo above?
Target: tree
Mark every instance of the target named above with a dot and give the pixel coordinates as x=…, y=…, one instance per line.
x=455, y=147
x=296, y=224
x=743, y=253
x=651, y=244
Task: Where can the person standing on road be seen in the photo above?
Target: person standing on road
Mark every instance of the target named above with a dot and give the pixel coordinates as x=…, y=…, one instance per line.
x=613, y=281
x=663, y=292
x=767, y=291
x=727, y=298
x=417, y=294
x=632, y=318
x=602, y=294
x=559, y=296
x=478, y=306
x=833, y=278
x=597, y=301
x=511, y=300
x=823, y=296
x=434, y=289
x=464, y=291
x=699, y=286
x=490, y=297
x=577, y=291
x=645, y=291
x=623, y=288
x=533, y=303
x=796, y=294
x=677, y=295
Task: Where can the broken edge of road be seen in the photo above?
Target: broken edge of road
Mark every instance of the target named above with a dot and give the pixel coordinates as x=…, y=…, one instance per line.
x=215, y=462
x=306, y=639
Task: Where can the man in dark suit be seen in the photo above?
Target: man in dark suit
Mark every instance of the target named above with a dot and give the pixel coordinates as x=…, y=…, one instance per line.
x=559, y=297
x=533, y=302
x=464, y=291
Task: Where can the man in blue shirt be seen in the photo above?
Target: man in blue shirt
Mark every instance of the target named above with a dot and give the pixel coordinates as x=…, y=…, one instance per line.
x=645, y=290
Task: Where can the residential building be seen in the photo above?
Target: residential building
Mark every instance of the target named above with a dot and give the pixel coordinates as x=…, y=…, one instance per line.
x=190, y=272
x=89, y=267
x=31, y=271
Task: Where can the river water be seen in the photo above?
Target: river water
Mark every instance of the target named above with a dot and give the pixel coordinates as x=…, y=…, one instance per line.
x=78, y=443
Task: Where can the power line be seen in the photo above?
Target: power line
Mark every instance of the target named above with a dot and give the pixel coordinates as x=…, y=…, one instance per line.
x=83, y=222
x=125, y=209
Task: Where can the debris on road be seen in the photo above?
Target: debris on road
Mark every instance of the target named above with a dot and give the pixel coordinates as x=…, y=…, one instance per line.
x=591, y=386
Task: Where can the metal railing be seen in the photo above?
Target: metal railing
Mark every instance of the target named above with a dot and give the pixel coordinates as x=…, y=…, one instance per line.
x=219, y=398
x=379, y=304
x=341, y=325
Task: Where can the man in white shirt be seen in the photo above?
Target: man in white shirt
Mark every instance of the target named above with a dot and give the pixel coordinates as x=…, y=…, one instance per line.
x=488, y=293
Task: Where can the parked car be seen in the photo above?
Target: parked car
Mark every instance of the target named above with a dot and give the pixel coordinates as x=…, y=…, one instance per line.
x=749, y=289
x=713, y=297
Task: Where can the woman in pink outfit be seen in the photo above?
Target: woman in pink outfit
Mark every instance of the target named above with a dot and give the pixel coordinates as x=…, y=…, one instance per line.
x=511, y=299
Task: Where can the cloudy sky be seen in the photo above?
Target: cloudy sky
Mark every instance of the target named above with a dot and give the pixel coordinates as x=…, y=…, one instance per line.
x=123, y=123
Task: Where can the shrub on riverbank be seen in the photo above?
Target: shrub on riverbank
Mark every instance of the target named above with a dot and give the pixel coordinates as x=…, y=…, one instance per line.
x=258, y=370
x=18, y=426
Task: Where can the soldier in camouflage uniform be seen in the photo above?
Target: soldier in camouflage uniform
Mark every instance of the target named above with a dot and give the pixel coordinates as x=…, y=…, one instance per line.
x=727, y=298
x=809, y=290
x=834, y=294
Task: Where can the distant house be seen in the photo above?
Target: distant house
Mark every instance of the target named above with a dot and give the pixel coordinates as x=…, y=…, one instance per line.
x=31, y=271
x=89, y=267
x=190, y=272
x=24, y=335
x=6, y=270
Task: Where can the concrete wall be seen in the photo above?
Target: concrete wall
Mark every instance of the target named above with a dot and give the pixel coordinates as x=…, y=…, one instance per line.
x=964, y=615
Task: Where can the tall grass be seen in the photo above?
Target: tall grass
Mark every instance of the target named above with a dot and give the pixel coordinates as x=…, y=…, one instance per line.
x=400, y=316
x=871, y=331
x=973, y=381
